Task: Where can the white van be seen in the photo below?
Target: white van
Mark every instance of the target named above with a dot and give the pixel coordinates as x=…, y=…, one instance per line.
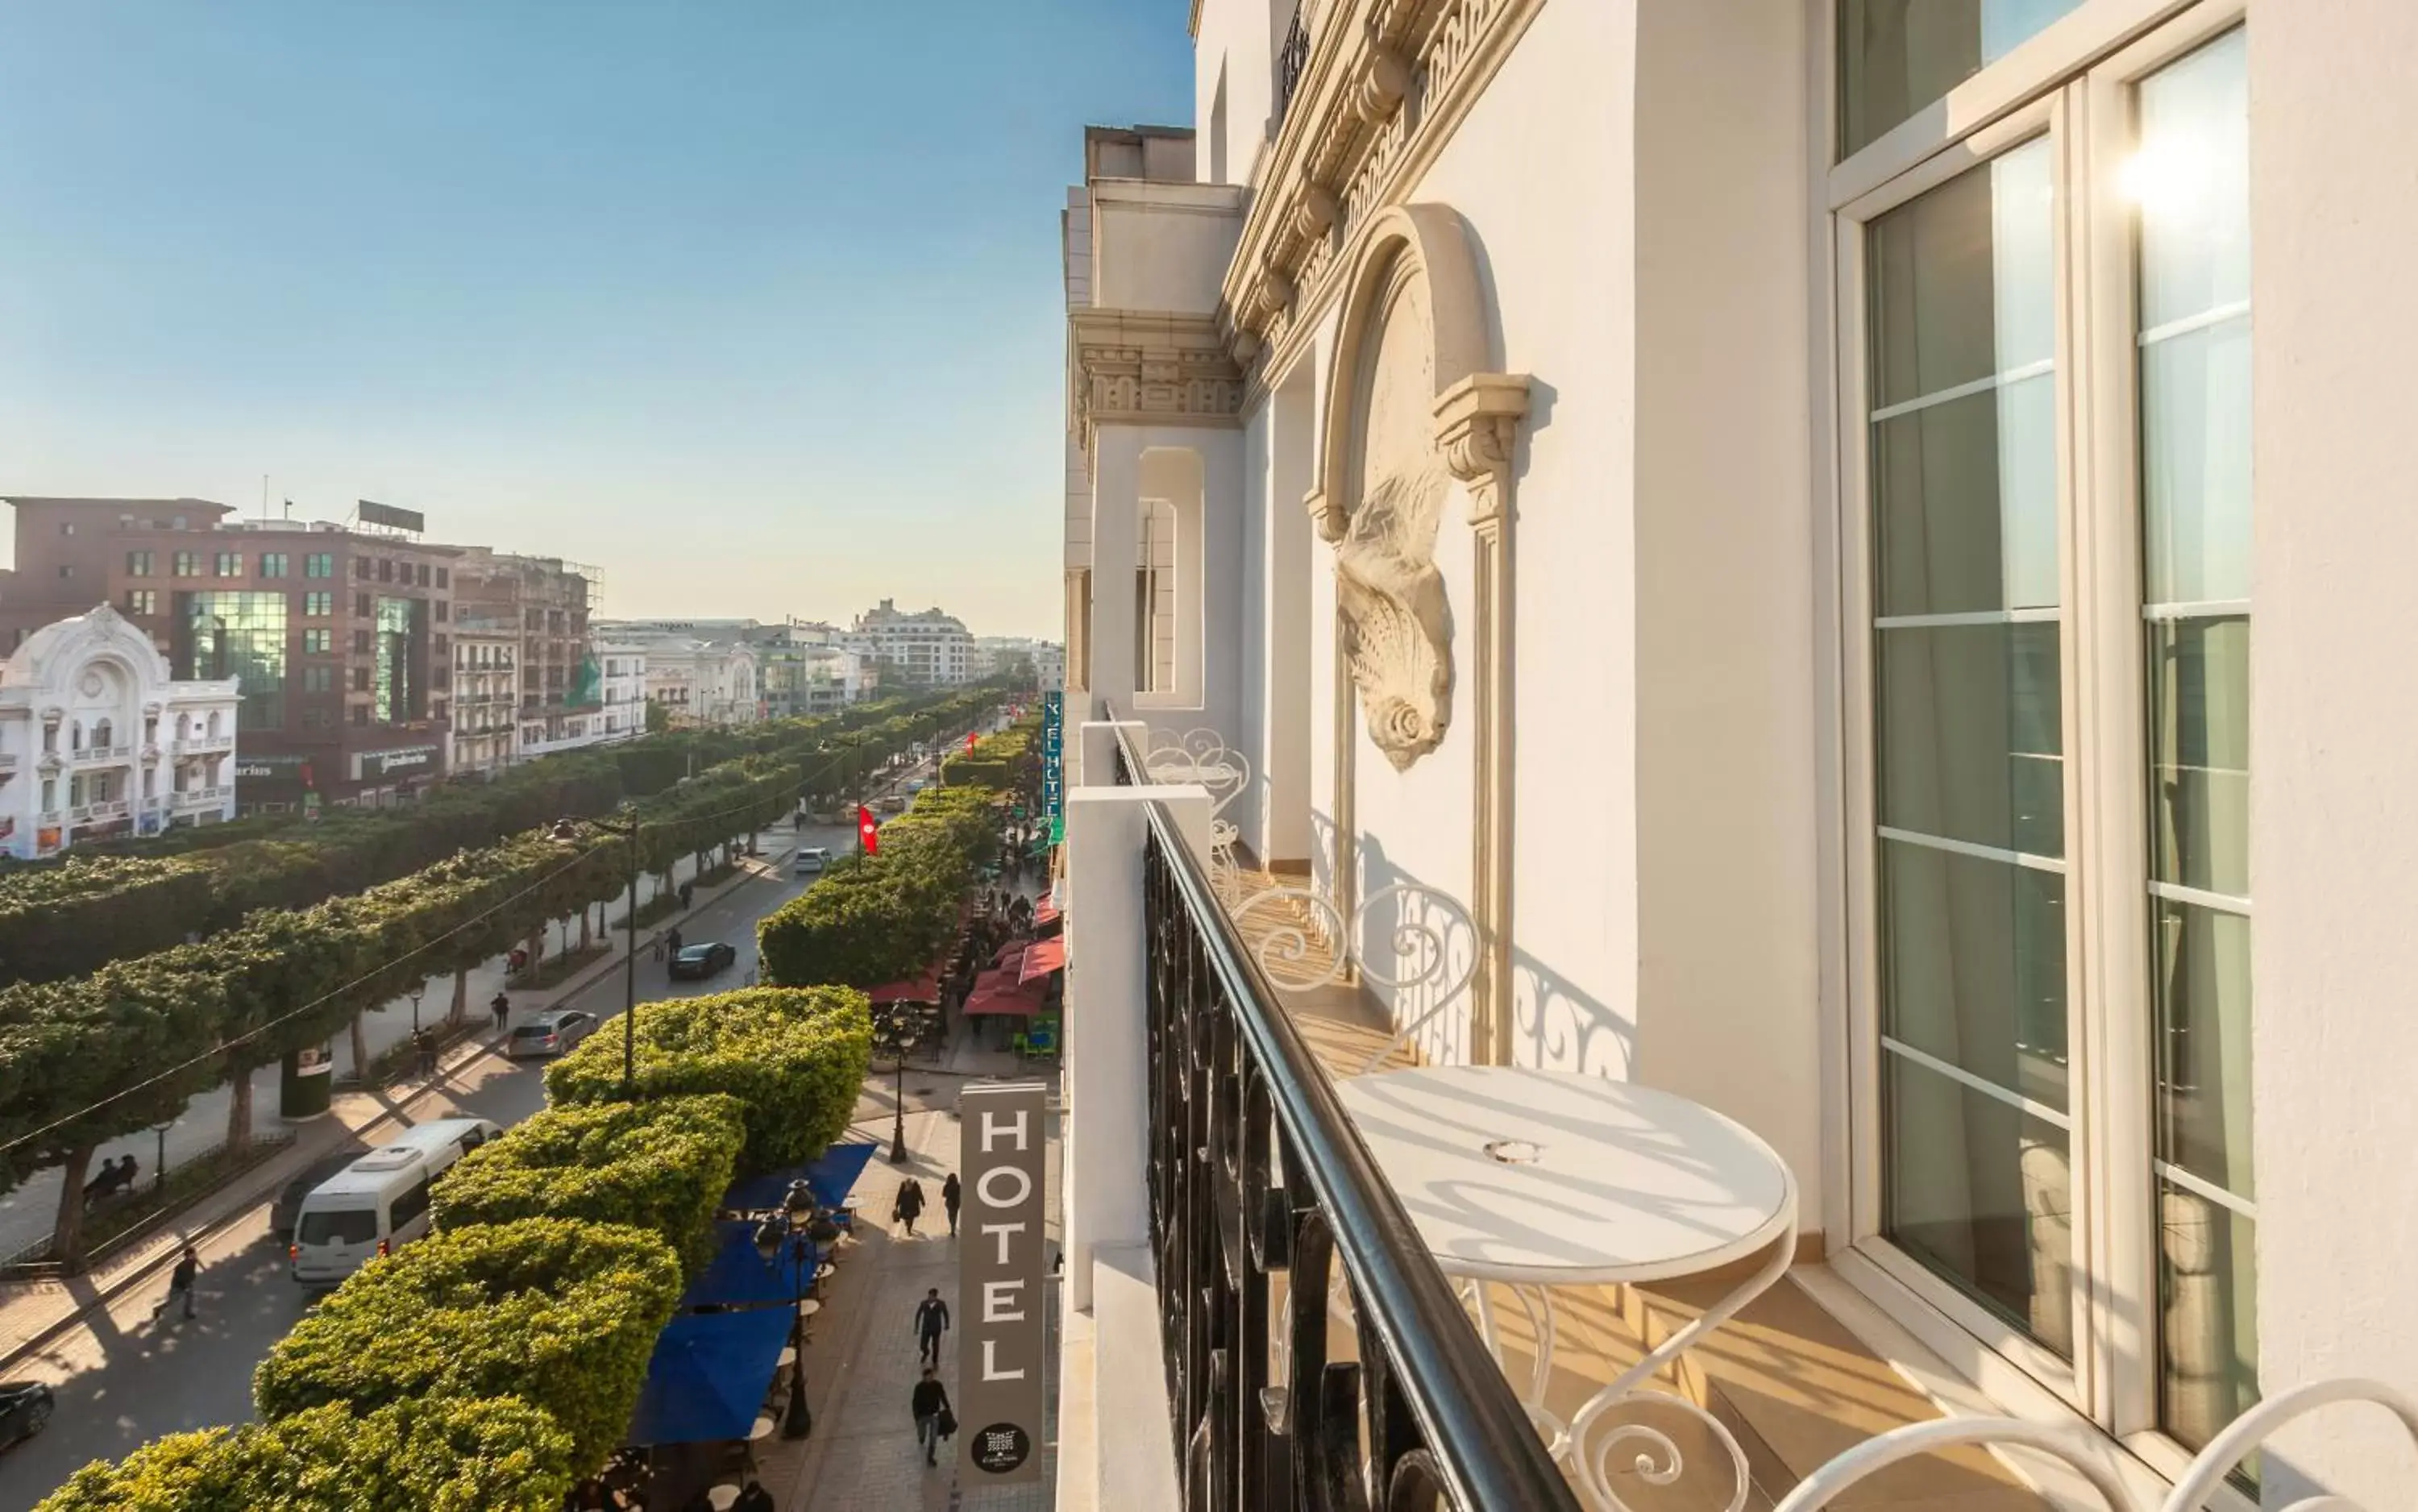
x=378, y=1201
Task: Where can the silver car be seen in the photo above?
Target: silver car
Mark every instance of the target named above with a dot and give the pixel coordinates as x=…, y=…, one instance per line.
x=550, y=1034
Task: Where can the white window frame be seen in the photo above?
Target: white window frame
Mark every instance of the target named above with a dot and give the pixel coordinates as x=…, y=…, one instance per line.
x=2073, y=83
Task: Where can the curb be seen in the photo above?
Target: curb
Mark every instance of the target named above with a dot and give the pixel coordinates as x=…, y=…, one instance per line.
x=251, y=1198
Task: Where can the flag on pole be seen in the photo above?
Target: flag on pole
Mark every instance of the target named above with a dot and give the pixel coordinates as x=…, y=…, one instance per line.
x=970, y=743
x=868, y=834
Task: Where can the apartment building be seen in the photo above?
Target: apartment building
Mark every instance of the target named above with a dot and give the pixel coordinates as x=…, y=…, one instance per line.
x=1752, y=505
x=927, y=646
x=339, y=637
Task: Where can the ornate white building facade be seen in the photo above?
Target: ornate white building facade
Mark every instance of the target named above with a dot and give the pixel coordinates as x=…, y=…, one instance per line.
x=97, y=740
x=926, y=646
x=695, y=682
x=1753, y=499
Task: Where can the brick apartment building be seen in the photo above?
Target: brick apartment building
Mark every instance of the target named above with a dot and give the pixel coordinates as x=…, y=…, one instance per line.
x=341, y=637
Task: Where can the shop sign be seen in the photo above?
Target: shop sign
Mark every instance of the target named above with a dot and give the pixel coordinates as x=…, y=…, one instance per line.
x=394, y=763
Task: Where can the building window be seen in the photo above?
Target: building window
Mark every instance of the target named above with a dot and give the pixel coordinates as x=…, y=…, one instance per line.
x=272, y=564
x=319, y=564
x=185, y=564
x=360, y=714
x=361, y=568
x=361, y=642
x=444, y=579
x=138, y=564
x=361, y=606
x=141, y=600
x=319, y=605
x=420, y=574
x=386, y=569
x=1993, y=823
x=441, y=609
x=1896, y=57
x=316, y=719
x=233, y=634
x=320, y=679
x=228, y=564
x=360, y=680
x=317, y=642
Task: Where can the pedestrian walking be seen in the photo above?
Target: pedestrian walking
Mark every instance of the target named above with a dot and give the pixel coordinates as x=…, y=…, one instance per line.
x=952, y=1194
x=501, y=1007
x=909, y=1205
x=933, y=1419
x=423, y=1053
x=931, y=1321
x=672, y=938
x=180, y=1283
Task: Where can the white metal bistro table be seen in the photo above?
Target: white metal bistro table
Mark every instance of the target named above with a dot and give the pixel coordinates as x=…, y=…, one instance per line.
x=1543, y=1178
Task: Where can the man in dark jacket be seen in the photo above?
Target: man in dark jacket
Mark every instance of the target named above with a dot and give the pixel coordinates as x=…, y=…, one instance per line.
x=931, y=1321
x=931, y=1401
x=180, y=1283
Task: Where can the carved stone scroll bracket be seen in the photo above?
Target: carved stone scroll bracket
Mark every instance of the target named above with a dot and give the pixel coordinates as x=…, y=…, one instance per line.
x=1324, y=514
x=1477, y=422
x=1384, y=79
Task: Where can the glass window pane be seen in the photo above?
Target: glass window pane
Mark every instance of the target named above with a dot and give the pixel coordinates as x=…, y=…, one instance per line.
x=2189, y=176
x=2196, y=464
x=2199, y=750
x=1896, y=57
x=2203, y=1004
x=1981, y=1193
x=1969, y=743
x=2207, y=1334
x=1973, y=966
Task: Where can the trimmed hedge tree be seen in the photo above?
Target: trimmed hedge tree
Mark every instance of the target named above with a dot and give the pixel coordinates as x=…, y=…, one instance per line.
x=661, y=1165
x=882, y=918
x=794, y=1057
x=562, y=1315
x=444, y=1455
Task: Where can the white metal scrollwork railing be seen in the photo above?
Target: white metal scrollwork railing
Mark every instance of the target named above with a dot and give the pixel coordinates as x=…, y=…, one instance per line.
x=2085, y=1451
x=1202, y=756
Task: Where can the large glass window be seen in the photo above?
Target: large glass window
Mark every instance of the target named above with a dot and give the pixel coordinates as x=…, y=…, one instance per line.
x=238, y=635
x=1977, y=285
x=393, y=680
x=2189, y=180
x=1968, y=738
x=319, y=564
x=272, y=564
x=1896, y=57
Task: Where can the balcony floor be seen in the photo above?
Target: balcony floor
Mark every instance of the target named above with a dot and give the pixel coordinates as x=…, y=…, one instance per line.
x=1789, y=1380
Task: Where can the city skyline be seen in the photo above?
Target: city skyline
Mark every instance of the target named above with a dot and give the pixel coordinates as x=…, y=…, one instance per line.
x=630, y=295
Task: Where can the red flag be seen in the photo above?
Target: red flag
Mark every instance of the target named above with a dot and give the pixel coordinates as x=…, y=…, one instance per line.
x=970, y=743
x=867, y=833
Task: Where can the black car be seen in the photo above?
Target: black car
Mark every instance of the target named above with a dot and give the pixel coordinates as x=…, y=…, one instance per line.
x=24, y=1407
x=289, y=1200
x=700, y=961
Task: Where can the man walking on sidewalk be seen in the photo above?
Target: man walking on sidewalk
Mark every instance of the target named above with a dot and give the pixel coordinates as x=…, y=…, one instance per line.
x=501, y=1007
x=931, y=1321
x=180, y=1283
x=931, y=1413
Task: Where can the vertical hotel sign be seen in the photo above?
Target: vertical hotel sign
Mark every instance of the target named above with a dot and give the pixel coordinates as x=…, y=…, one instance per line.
x=1053, y=771
x=1001, y=1346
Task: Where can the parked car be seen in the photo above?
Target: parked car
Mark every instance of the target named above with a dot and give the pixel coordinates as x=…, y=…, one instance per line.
x=810, y=859
x=24, y=1407
x=700, y=961
x=282, y=1212
x=550, y=1034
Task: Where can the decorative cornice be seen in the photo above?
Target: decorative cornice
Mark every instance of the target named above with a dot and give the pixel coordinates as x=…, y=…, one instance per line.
x=1386, y=82
x=1137, y=368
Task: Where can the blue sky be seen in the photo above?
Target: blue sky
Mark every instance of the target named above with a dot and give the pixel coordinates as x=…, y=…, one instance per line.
x=754, y=303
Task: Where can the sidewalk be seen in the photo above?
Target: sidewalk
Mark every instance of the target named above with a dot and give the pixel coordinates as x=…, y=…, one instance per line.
x=862, y=1363
x=32, y=1312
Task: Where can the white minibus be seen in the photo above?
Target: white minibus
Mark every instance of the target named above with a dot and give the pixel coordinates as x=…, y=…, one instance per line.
x=378, y=1201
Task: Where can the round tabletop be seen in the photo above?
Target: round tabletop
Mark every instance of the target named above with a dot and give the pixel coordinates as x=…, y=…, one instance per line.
x=1558, y=1177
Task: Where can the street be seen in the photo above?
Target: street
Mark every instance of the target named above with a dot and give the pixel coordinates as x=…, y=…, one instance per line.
x=122, y=1380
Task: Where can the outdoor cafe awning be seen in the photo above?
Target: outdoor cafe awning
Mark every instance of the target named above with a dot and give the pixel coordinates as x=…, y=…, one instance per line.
x=830, y=1176
x=999, y=994
x=924, y=989
x=1046, y=911
x=1041, y=959
x=737, y=1276
x=706, y=1381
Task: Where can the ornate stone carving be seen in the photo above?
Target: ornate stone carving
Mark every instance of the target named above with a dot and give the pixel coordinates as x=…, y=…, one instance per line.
x=1397, y=626
x=1315, y=214
x=1477, y=423
x=1323, y=515
x=1153, y=369
x=1384, y=79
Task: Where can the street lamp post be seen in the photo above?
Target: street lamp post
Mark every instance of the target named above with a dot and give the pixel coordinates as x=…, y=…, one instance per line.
x=796, y=1231
x=415, y=1007
x=894, y=1034
x=568, y=830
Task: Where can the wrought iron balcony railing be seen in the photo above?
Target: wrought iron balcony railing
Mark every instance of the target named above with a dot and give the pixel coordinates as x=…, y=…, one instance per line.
x=1291, y=61
x=1257, y=1173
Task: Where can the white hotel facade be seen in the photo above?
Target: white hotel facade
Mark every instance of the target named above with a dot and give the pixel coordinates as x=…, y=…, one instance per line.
x=1862, y=542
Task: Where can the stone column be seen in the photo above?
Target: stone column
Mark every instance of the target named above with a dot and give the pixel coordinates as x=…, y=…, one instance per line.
x=1477, y=422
